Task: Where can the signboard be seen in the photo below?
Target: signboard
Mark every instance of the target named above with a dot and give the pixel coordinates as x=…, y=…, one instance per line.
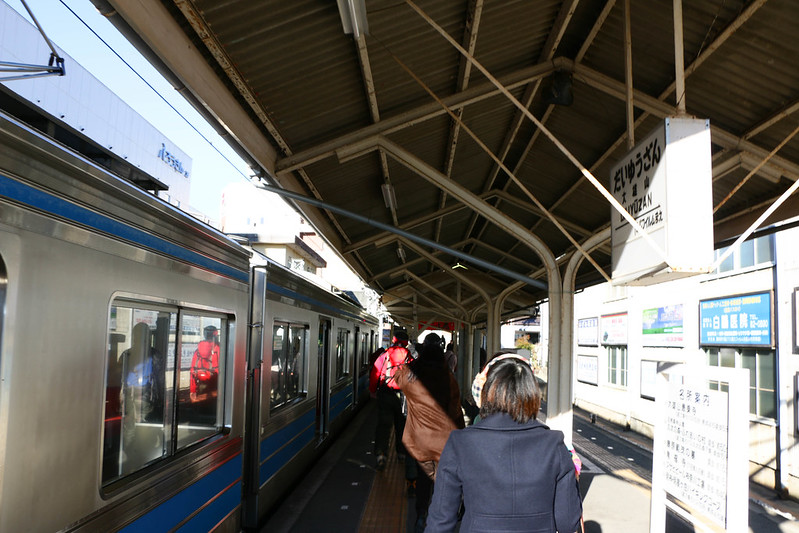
x=588, y=369
x=664, y=183
x=614, y=329
x=663, y=326
x=442, y=326
x=588, y=331
x=701, y=448
x=744, y=320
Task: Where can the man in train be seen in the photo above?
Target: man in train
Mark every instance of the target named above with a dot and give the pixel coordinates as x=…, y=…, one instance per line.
x=205, y=367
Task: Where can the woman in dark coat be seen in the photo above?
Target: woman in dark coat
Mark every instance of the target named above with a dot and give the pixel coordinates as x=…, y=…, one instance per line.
x=513, y=472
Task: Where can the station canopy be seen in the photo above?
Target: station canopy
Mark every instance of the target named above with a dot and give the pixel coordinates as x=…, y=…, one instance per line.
x=461, y=122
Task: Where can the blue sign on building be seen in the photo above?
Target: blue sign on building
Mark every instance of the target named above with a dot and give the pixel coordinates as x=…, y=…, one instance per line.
x=743, y=320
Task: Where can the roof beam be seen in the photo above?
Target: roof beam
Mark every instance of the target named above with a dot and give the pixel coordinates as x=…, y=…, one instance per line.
x=422, y=113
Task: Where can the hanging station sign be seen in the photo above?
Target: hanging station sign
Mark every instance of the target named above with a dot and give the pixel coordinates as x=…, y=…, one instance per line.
x=664, y=183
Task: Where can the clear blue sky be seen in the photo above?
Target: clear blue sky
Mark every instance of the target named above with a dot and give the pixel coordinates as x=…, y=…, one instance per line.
x=69, y=31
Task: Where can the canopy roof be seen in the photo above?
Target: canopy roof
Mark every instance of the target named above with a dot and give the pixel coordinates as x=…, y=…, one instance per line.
x=427, y=101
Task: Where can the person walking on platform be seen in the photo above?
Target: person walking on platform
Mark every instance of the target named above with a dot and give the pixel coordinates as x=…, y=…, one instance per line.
x=384, y=387
x=511, y=471
x=434, y=410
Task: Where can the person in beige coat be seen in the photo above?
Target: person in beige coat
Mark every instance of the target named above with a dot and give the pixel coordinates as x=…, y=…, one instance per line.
x=434, y=410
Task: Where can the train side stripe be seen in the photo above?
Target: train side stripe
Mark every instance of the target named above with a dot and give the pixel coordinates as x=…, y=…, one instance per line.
x=339, y=402
x=53, y=205
x=223, y=486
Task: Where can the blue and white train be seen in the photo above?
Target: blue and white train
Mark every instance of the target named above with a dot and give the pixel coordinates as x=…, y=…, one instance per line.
x=107, y=295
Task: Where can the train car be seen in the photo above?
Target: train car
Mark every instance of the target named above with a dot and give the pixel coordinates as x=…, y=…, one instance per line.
x=133, y=343
x=314, y=350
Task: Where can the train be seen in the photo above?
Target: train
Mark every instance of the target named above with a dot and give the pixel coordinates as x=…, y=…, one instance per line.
x=155, y=374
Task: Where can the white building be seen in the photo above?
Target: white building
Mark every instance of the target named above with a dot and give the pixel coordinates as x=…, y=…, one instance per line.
x=743, y=316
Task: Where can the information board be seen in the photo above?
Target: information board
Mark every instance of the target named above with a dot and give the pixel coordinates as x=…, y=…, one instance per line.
x=588, y=369
x=614, y=329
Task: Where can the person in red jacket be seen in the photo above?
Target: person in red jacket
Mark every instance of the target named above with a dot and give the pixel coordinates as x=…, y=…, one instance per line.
x=383, y=386
x=205, y=367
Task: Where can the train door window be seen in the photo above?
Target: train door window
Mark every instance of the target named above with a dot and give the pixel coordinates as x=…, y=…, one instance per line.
x=200, y=377
x=141, y=350
x=363, y=351
x=343, y=354
x=617, y=365
x=157, y=403
x=289, y=363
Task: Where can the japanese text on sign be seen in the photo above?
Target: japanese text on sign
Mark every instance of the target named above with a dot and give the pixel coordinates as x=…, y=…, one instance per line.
x=633, y=180
x=739, y=320
x=696, y=448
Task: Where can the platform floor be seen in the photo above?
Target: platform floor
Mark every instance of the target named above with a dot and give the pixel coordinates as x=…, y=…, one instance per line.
x=345, y=493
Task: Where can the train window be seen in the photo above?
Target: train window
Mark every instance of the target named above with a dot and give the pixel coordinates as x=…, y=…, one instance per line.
x=343, y=354
x=199, y=377
x=289, y=349
x=152, y=409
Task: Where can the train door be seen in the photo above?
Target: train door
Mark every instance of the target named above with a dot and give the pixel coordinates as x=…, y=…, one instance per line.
x=252, y=423
x=356, y=365
x=323, y=379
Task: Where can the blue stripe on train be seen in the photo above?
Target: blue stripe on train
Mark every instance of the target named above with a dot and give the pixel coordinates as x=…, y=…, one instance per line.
x=278, y=449
x=339, y=402
x=220, y=489
x=43, y=201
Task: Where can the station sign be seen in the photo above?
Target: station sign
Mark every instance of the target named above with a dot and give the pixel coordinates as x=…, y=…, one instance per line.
x=664, y=183
x=443, y=326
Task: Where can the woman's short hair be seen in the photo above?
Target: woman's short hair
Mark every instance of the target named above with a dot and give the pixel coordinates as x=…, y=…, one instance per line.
x=511, y=388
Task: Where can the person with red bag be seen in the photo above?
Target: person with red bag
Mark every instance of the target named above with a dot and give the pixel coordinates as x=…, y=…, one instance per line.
x=205, y=367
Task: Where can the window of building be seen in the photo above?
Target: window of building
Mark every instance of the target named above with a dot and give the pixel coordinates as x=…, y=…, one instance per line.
x=617, y=365
x=753, y=252
x=342, y=354
x=157, y=403
x=289, y=356
x=762, y=375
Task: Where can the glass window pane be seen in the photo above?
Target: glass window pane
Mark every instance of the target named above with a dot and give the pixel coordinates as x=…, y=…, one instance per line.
x=727, y=357
x=748, y=360
x=764, y=250
x=277, y=379
x=295, y=366
x=200, y=383
x=766, y=378
x=138, y=386
x=728, y=263
x=746, y=254
x=712, y=357
x=753, y=401
x=768, y=404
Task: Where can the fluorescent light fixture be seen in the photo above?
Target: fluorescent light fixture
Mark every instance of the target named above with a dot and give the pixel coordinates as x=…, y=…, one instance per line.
x=459, y=265
x=401, y=253
x=353, y=17
x=389, y=197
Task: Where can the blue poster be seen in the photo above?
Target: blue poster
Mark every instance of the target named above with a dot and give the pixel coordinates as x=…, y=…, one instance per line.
x=743, y=320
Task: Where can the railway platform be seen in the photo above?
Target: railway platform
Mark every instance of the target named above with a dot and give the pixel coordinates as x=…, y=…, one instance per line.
x=345, y=493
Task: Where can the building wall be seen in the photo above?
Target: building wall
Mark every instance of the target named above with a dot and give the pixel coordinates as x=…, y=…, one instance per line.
x=772, y=441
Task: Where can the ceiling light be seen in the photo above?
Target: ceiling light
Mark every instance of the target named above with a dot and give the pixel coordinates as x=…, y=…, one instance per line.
x=389, y=197
x=401, y=253
x=353, y=17
x=459, y=265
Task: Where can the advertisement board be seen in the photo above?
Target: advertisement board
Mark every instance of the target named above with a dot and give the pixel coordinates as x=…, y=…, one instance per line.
x=588, y=331
x=614, y=329
x=663, y=326
x=588, y=369
x=743, y=320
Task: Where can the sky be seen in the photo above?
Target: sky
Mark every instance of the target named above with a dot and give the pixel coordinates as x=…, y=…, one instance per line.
x=65, y=24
